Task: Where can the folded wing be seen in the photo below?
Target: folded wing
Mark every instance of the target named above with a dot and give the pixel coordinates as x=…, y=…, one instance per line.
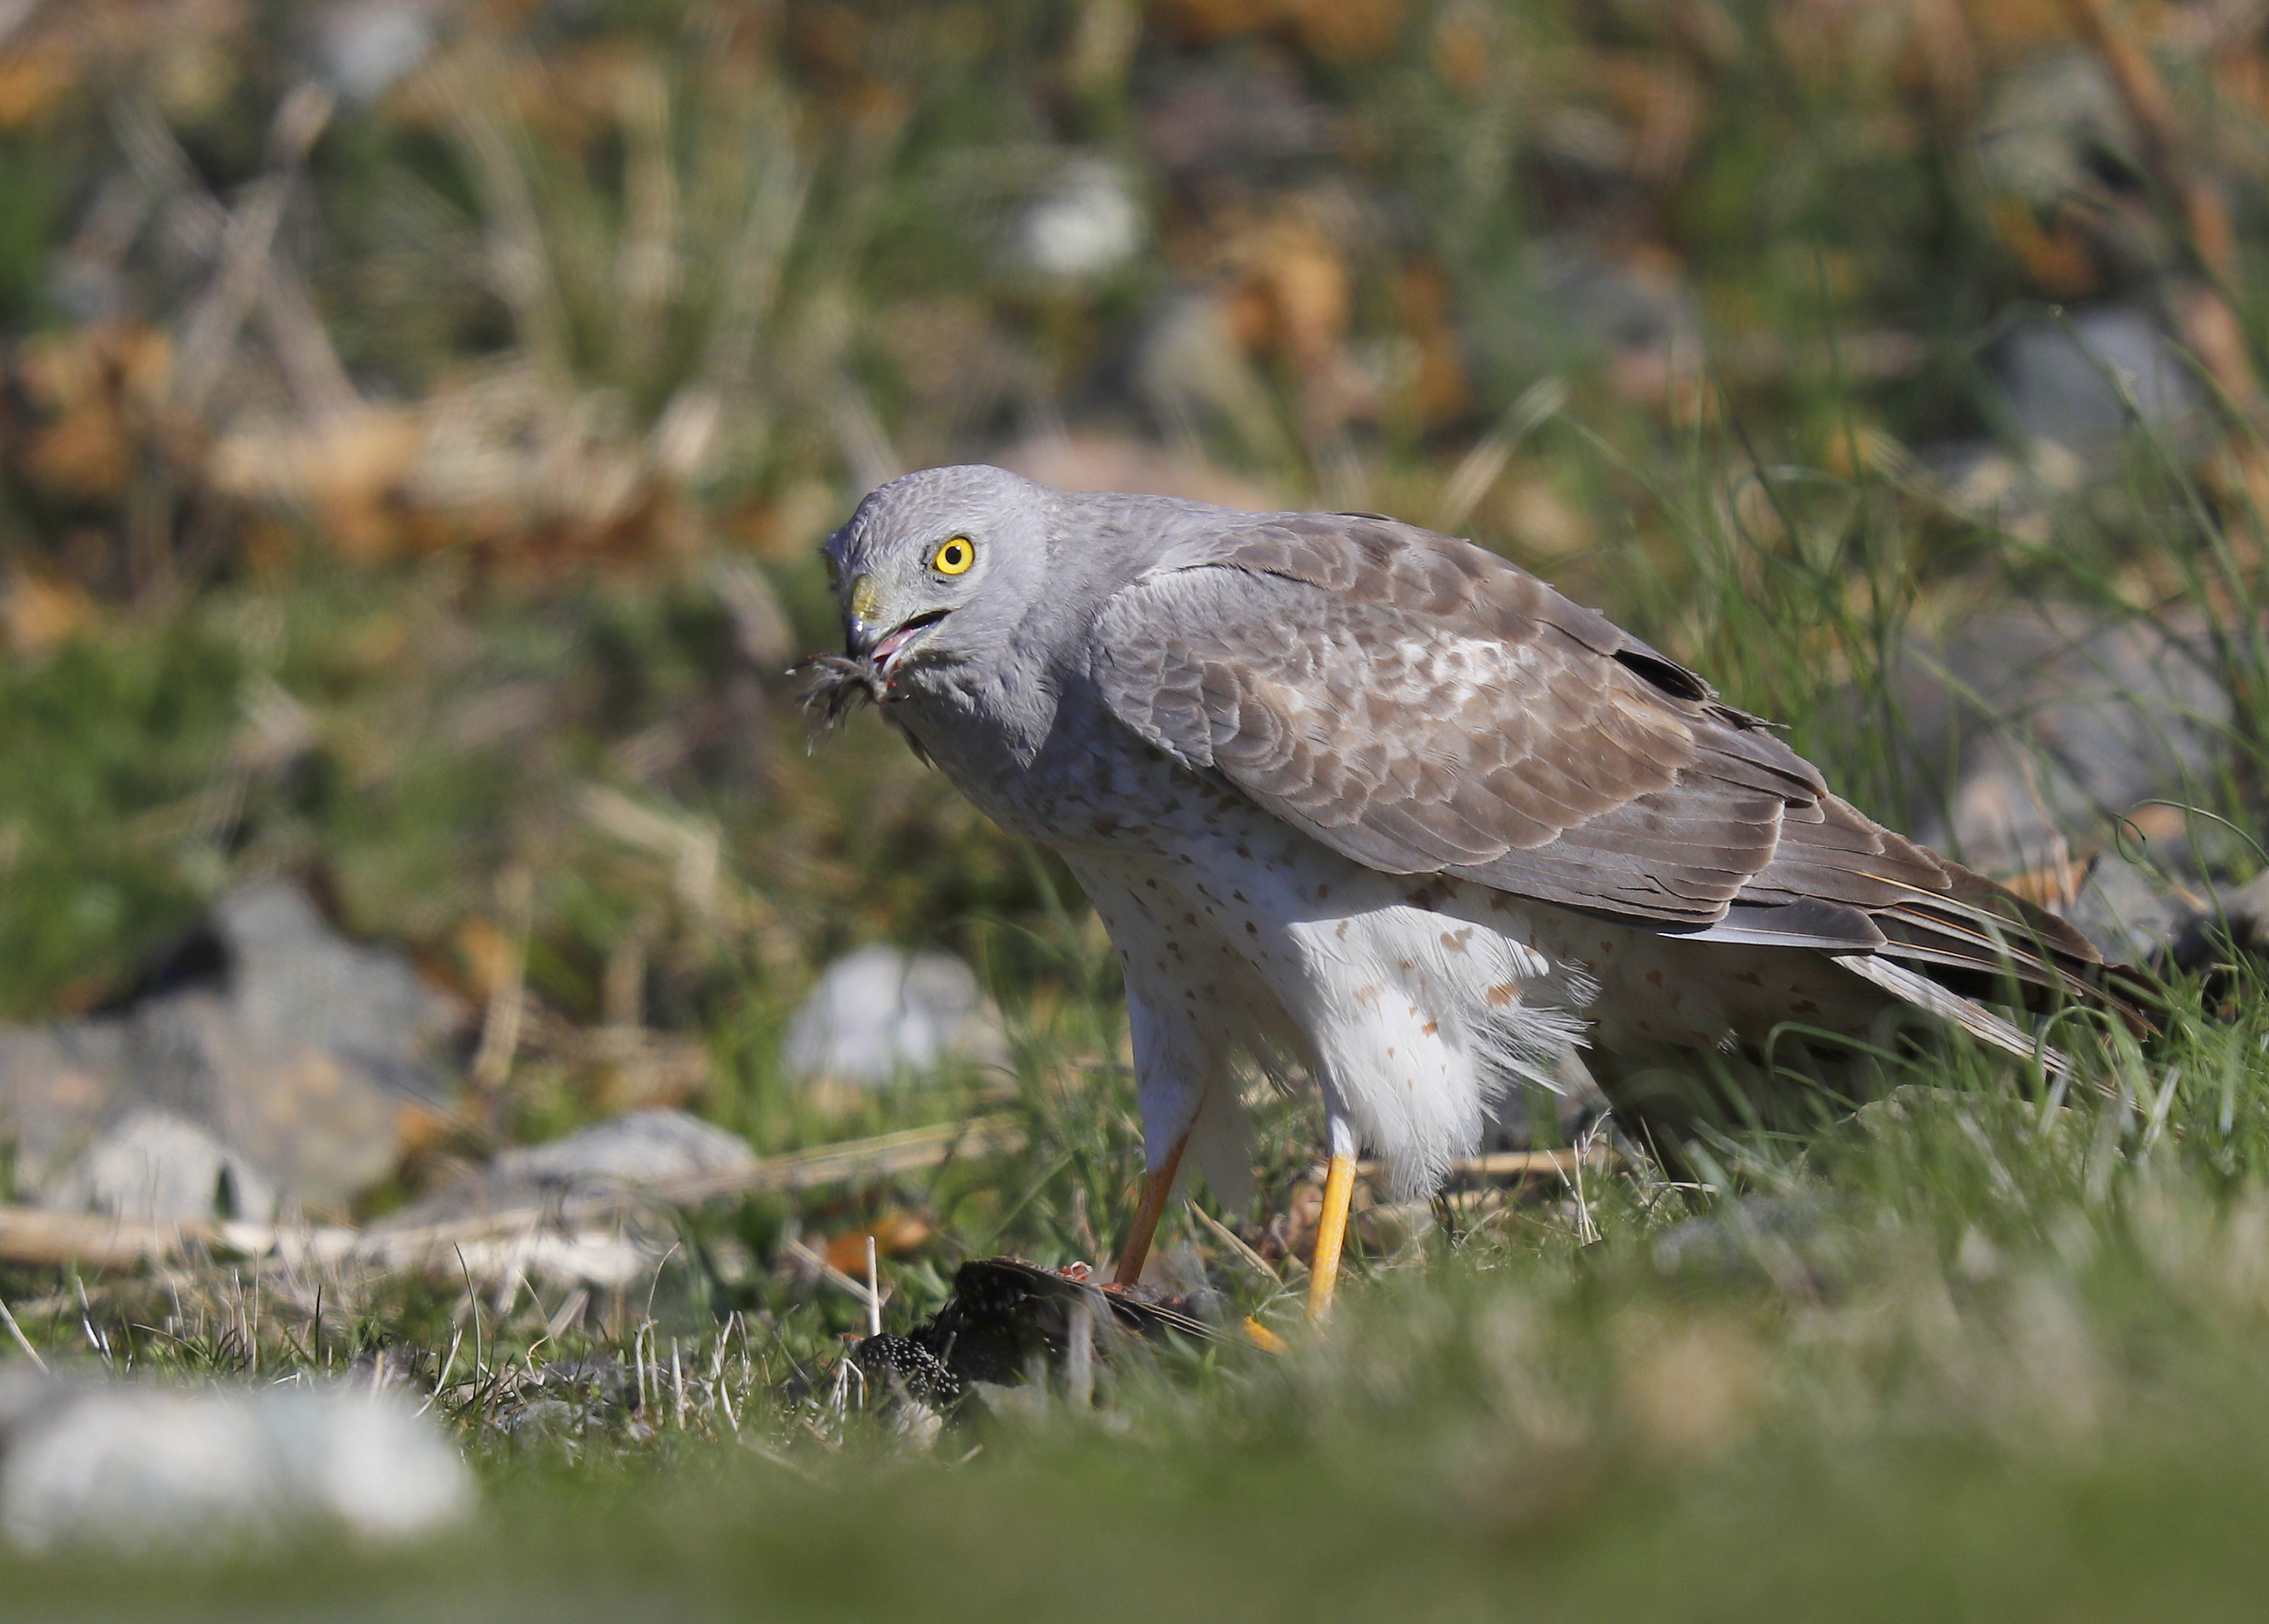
x=1422, y=706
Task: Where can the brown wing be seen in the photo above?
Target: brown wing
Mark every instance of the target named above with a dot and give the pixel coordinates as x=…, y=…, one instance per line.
x=1422, y=706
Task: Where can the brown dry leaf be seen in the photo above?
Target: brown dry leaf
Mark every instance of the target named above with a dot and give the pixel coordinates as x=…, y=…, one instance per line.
x=1204, y=22
x=1878, y=51
x=1658, y=100
x=536, y=476
x=95, y=392
x=1539, y=520
x=2056, y=256
x=1292, y=297
x=1346, y=30
x=490, y=955
x=1336, y=31
x=85, y=453
x=1309, y=287
x=2054, y=886
x=894, y=1234
x=2159, y=823
x=420, y=1129
x=2241, y=83
x=1302, y=1213
x=2210, y=330
x=347, y=471
x=2006, y=30
x=1438, y=391
x=572, y=99
x=1088, y=461
x=1945, y=55
x=39, y=613
x=35, y=80
x=1466, y=50
x=542, y=476
x=1305, y=1210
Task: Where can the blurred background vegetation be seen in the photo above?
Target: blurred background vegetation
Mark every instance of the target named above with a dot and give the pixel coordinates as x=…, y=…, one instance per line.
x=418, y=415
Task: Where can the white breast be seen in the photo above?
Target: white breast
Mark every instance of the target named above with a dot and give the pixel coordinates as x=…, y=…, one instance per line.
x=1414, y=1003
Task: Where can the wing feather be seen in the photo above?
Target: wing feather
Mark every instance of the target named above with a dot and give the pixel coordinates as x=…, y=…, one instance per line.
x=1424, y=706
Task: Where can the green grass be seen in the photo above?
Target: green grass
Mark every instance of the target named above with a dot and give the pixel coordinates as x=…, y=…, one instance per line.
x=1970, y=1354
x=1967, y=1364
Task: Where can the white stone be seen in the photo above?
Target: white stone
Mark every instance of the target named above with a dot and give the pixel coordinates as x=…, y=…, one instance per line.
x=642, y=1150
x=1087, y=224
x=877, y=1014
x=153, y=1166
x=640, y=1147
x=364, y=46
x=142, y=1468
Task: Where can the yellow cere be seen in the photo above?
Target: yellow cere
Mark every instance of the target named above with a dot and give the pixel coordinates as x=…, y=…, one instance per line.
x=954, y=555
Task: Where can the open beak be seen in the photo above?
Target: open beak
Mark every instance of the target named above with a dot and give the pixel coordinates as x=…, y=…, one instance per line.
x=882, y=653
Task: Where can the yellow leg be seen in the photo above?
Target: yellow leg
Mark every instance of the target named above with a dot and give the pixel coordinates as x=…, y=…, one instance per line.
x=1157, y=1185
x=1331, y=1236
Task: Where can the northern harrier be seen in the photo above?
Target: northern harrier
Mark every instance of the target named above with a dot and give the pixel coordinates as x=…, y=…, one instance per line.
x=1352, y=793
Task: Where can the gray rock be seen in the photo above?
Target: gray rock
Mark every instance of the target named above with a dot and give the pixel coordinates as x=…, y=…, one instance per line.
x=2032, y=728
x=363, y=47
x=153, y=1166
x=1574, y=304
x=144, y=1469
x=1982, y=482
x=877, y=1014
x=640, y=1150
x=1195, y=379
x=297, y=1049
x=1251, y=121
x=1603, y=305
x=1046, y=216
x=294, y=979
x=56, y=1084
x=2131, y=913
x=2089, y=381
x=643, y=1148
x=2140, y=916
x=2235, y=921
x=2077, y=400
x=1766, y=1233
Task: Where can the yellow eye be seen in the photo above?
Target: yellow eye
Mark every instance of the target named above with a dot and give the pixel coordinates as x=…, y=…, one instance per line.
x=954, y=555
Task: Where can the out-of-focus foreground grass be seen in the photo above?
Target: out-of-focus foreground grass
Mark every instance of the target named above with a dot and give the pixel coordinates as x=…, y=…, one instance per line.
x=1975, y=1360
x=411, y=466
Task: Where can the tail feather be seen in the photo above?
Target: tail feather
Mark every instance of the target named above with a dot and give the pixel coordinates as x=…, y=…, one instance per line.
x=1971, y=1016
x=1993, y=942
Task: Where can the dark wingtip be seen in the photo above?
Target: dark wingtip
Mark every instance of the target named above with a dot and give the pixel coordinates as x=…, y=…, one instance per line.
x=1666, y=675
